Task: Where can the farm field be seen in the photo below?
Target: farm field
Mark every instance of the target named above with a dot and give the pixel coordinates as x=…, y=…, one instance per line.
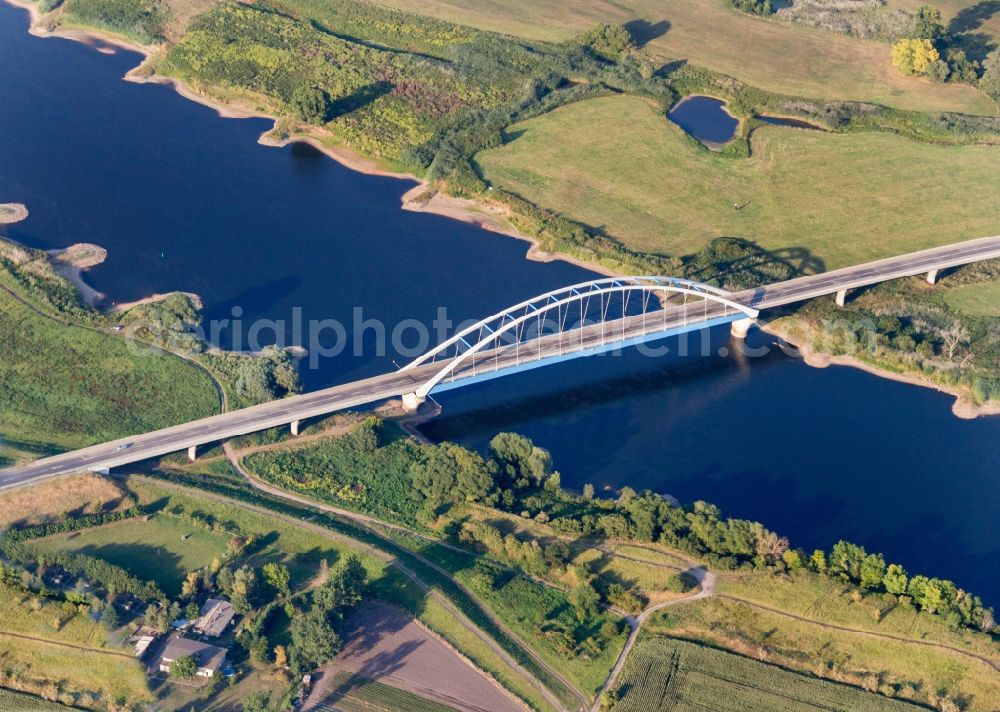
x=17, y=702
x=618, y=165
x=358, y=694
x=779, y=57
x=666, y=674
x=912, y=672
x=383, y=644
x=975, y=299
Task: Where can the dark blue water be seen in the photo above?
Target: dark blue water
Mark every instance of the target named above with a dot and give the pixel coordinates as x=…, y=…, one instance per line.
x=185, y=200
x=705, y=118
x=791, y=123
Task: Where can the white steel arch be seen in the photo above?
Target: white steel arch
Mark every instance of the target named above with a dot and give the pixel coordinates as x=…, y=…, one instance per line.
x=510, y=322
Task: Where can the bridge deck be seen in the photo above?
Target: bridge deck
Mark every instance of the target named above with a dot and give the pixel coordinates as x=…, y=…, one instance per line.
x=551, y=348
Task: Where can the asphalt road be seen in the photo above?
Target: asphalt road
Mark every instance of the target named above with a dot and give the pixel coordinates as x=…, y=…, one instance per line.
x=393, y=385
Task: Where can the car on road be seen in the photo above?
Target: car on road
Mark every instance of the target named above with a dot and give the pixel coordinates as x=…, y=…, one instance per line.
x=123, y=446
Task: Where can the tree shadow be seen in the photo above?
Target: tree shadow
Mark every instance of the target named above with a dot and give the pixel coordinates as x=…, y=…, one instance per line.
x=972, y=18
x=976, y=45
x=145, y=562
x=362, y=97
x=736, y=263
x=644, y=31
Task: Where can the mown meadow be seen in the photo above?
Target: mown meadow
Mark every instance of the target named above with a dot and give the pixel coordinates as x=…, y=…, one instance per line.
x=840, y=199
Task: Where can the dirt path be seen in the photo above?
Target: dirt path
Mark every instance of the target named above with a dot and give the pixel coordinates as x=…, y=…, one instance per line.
x=372, y=525
x=71, y=646
x=440, y=597
x=706, y=588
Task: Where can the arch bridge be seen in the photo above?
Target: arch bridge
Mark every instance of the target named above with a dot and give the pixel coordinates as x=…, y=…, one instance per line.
x=573, y=322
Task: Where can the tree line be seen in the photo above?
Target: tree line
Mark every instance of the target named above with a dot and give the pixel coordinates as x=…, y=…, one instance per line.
x=517, y=476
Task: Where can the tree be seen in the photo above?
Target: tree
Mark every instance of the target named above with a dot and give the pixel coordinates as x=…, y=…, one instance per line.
x=109, y=616
x=927, y=24
x=310, y=104
x=189, y=589
x=588, y=491
x=793, y=560
x=961, y=67
x=817, y=562
x=584, y=600
x=343, y=588
x=895, y=580
x=259, y=648
x=184, y=668
x=990, y=81
x=280, y=657
x=770, y=547
x=872, y=571
x=277, y=577
x=610, y=42
x=244, y=590
x=256, y=701
x=314, y=641
x=520, y=460
x=451, y=473
x=916, y=56
x=846, y=559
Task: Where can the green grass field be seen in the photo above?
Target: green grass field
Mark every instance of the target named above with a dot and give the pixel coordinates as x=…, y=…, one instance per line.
x=351, y=693
x=975, y=299
x=162, y=549
x=665, y=674
x=67, y=387
x=779, y=57
x=617, y=164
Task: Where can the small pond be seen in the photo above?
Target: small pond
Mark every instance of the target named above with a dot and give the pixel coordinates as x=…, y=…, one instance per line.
x=705, y=118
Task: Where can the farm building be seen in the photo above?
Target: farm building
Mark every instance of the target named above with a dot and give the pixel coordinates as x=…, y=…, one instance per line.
x=215, y=615
x=211, y=658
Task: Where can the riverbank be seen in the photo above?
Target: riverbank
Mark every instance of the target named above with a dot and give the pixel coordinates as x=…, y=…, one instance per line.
x=419, y=198
x=488, y=216
x=963, y=407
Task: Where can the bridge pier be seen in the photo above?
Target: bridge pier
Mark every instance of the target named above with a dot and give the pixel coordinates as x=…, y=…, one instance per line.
x=932, y=276
x=740, y=328
x=412, y=402
x=295, y=428
x=841, y=297
x=193, y=453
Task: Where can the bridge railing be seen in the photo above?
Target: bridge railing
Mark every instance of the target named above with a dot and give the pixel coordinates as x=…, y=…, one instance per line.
x=604, y=312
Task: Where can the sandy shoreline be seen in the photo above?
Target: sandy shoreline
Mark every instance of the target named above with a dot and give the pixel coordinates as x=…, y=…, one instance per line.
x=961, y=408
x=487, y=217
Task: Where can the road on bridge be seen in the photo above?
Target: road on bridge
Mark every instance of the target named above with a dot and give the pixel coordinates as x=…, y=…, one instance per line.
x=380, y=388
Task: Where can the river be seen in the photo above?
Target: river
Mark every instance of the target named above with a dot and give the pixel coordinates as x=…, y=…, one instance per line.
x=184, y=200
